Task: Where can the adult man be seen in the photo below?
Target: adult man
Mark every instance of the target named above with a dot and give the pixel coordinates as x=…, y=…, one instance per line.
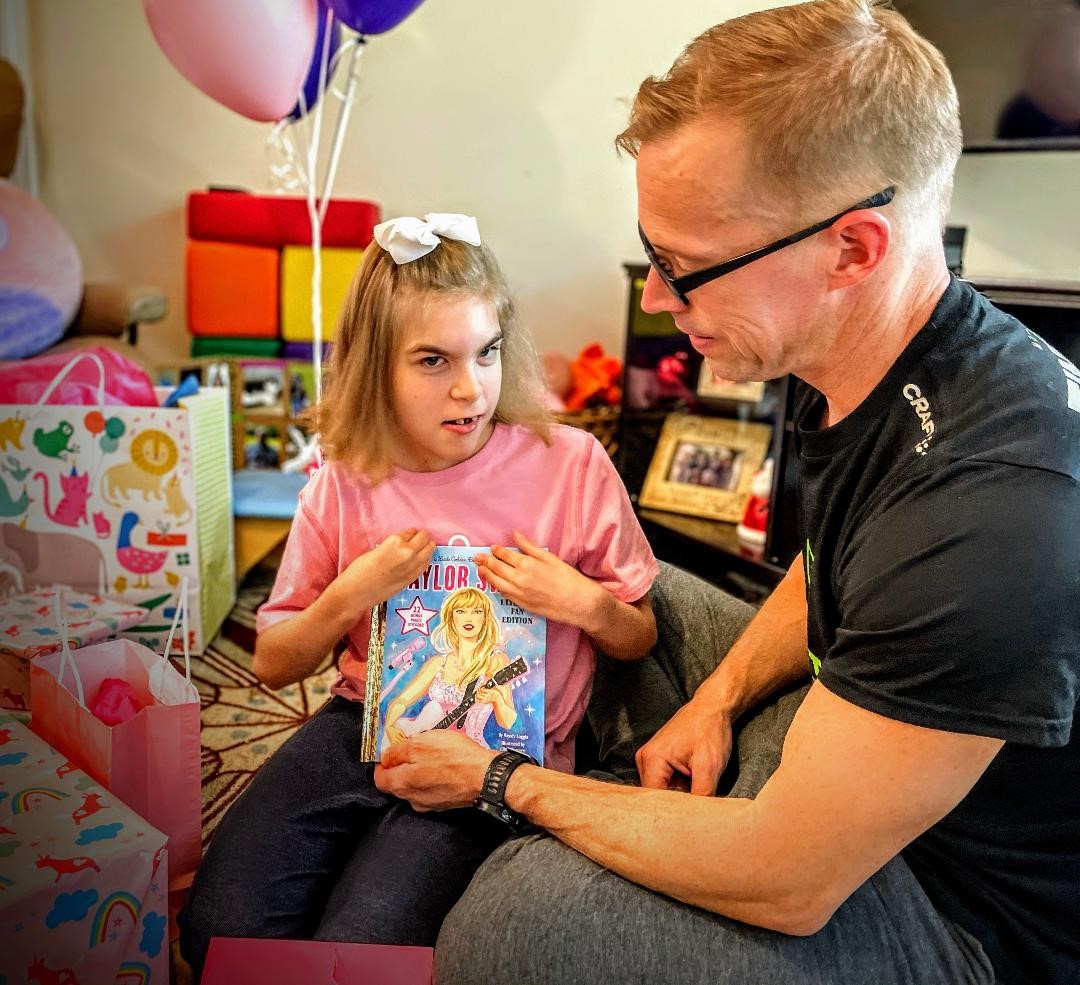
x=922, y=825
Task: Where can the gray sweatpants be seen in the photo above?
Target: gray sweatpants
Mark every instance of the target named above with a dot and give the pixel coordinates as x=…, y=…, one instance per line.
x=539, y=912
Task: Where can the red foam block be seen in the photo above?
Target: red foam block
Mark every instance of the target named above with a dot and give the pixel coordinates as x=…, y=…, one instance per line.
x=277, y=220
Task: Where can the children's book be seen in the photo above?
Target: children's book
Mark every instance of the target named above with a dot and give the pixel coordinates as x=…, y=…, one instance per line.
x=450, y=652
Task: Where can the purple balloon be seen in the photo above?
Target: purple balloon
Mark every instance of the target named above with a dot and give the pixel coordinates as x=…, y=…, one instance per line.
x=311, y=83
x=372, y=16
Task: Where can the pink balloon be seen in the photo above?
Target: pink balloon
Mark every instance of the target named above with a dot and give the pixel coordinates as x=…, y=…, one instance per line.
x=249, y=55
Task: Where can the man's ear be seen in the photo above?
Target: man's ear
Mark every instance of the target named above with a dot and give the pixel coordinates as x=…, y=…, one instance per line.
x=860, y=241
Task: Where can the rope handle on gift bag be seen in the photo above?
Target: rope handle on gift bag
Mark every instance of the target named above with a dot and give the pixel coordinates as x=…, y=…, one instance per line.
x=180, y=616
x=64, y=370
x=65, y=651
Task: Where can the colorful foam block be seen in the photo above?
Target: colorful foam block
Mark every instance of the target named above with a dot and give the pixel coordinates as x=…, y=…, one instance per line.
x=338, y=268
x=277, y=220
x=232, y=290
x=255, y=348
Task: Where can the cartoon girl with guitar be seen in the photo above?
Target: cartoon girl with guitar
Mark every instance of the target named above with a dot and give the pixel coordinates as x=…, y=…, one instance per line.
x=465, y=671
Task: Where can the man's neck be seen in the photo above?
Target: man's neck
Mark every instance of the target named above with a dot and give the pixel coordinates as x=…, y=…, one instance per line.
x=874, y=334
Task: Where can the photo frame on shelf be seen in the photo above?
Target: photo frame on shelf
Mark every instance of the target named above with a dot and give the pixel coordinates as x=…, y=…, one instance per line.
x=703, y=466
x=710, y=388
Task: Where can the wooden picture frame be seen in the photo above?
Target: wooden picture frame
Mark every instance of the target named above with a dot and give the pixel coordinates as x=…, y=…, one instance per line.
x=703, y=466
x=712, y=389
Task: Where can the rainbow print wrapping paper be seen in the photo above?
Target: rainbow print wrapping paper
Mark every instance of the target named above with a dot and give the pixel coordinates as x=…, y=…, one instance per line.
x=83, y=879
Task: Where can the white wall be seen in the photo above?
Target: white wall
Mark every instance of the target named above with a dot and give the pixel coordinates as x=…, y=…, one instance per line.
x=506, y=110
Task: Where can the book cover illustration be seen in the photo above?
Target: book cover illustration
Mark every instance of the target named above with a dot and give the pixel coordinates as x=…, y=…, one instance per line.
x=449, y=651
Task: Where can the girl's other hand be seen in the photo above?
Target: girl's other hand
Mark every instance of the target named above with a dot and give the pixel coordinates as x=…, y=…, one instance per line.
x=540, y=582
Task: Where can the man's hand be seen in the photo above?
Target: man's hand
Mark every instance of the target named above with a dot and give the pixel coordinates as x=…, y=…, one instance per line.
x=434, y=771
x=540, y=582
x=695, y=743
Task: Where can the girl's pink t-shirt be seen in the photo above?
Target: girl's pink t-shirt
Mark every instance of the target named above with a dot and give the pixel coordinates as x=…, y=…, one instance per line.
x=565, y=496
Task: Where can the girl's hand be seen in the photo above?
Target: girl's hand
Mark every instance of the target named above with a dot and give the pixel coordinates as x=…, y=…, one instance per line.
x=387, y=568
x=540, y=582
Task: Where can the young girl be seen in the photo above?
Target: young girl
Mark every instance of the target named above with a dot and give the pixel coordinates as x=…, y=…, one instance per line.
x=433, y=426
x=467, y=638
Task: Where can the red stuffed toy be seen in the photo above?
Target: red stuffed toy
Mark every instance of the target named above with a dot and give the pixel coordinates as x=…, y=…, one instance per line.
x=595, y=379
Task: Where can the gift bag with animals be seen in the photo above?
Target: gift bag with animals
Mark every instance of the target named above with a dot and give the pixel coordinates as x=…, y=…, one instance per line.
x=121, y=502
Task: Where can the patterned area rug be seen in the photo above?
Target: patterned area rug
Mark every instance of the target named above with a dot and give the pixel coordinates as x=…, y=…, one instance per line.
x=243, y=722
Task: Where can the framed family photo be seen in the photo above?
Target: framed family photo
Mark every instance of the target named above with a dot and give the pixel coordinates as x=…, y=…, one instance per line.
x=703, y=466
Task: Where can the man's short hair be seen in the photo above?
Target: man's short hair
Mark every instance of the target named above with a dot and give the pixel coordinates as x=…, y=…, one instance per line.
x=839, y=98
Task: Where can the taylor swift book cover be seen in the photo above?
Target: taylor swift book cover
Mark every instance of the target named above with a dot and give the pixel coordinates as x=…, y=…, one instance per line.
x=448, y=651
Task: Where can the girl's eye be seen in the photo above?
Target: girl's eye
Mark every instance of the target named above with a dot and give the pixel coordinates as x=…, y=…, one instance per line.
x=431, y=361
x=490, y=355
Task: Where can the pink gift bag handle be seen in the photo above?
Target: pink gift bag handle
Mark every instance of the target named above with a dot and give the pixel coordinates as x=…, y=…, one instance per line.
x=67, y=659
x=64, y=370
x=65, y=651
x=181, y=613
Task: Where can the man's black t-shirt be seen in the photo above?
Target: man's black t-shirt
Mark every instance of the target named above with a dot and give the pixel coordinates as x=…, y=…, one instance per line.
x=942, y=559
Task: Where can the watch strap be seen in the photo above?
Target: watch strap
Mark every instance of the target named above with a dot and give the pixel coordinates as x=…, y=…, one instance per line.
x=492, y=797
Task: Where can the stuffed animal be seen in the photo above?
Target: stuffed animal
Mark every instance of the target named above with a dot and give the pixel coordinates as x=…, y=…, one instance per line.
x=595, y=379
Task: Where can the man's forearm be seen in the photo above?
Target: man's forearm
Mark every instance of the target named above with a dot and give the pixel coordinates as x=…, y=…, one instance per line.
x=770, y=654
x=655, y=838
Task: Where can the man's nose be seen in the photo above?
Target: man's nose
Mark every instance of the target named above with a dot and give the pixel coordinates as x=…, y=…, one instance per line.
x=656, y=296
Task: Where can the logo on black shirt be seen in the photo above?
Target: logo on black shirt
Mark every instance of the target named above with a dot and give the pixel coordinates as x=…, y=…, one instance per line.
x=921, y=406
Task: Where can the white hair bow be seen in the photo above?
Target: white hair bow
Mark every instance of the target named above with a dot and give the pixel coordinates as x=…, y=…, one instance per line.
x=408, y=238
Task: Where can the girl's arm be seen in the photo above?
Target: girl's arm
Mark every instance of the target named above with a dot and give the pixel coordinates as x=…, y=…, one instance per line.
x=290, y=650
x=622, y=630
x=540, y=582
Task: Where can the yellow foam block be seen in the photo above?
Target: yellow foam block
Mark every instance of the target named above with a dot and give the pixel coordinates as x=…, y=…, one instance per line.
x=338, y=268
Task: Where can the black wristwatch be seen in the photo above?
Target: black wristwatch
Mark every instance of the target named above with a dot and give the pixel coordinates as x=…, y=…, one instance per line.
x=493, y=791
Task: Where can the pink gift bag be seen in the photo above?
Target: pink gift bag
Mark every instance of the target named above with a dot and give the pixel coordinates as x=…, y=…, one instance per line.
x=152, y=761
x=244, y=961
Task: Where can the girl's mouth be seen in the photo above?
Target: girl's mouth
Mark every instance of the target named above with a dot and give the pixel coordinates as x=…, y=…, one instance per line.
x=462, y=425
x=469, y=627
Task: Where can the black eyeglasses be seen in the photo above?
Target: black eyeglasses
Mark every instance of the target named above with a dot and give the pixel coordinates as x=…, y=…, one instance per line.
x=681, y=286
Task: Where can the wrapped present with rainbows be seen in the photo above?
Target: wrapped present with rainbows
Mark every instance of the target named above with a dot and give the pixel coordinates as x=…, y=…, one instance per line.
x=83, y=879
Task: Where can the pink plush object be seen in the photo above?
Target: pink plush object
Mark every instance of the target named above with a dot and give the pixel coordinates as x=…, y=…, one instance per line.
x=40, y=275
x=126, y=382
x=116, y=702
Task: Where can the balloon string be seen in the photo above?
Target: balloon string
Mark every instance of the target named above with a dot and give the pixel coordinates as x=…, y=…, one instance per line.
x=315, y=218
x=339, y=129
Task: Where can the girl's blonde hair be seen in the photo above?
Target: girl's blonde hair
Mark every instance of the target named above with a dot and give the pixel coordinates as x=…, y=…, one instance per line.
x=839, y=99
x=445, y=638
x=355, y=414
